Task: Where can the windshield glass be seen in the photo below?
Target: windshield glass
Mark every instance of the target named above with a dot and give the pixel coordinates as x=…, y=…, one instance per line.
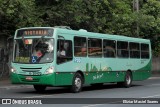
x=32, y=51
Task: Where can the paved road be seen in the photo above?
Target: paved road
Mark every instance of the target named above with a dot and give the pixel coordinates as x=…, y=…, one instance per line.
x=140, y=89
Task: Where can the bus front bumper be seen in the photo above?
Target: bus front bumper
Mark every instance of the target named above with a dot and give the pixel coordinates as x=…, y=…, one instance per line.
x=48, y=79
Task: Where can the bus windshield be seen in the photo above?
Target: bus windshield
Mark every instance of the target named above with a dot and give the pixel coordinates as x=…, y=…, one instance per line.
x=31, y=51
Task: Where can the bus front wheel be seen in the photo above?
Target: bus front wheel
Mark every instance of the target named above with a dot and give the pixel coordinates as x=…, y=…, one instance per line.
x=77, y=83
x=39, y=88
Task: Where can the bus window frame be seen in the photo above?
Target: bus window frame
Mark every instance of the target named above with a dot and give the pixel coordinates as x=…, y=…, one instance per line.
x=148, y=51
x=139, y=50
x=115, y=48
x=90, y=38
x=86, y=42
x=67, y=59
x=127, y=50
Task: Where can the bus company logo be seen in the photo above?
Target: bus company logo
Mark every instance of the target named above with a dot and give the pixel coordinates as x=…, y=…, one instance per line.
x=98, y=76
x=6, y=101
x=77, y=60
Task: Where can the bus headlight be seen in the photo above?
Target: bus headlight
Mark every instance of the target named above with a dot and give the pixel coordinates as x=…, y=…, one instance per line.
x=13, y=70
x=50, y=70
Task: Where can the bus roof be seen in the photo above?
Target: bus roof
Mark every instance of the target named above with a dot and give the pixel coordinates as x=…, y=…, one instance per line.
x=85, y=33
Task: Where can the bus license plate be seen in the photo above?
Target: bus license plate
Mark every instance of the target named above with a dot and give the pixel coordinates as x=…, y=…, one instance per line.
x=29, y=78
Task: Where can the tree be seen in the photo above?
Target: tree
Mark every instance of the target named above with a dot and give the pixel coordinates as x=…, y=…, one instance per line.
x=103, y=16
x=122, y=18
x=16, y=14
x=79, y=14
x=149, y=22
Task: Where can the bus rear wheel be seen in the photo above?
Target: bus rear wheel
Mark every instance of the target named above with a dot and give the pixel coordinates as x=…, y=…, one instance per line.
x=127, y=81
x=77, y=83
x=39, y=88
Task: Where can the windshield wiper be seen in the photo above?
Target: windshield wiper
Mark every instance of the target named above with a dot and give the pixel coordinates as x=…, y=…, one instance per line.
x=41, y=39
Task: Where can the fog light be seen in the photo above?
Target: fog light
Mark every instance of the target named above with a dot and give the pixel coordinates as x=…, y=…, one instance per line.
x=13, y=70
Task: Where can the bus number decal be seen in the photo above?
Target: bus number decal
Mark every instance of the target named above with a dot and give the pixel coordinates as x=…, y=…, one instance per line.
x=77, y=60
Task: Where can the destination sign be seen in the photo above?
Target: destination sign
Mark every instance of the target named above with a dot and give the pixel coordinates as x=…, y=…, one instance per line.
x=35, y=32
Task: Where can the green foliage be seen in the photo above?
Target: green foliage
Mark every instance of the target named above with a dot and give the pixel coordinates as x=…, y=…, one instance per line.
x=149, y=19
x=149, y=23
x=121, y=18
x=16, y=14
x=156, y=46
x=104, y=16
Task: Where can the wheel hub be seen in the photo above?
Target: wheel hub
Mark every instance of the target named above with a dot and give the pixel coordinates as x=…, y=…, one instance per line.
x=128, y=79
x=78, y=83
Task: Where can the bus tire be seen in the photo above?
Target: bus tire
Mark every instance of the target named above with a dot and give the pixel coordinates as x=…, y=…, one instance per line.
x=77, y=83
x=39, y=88
x=127, y=81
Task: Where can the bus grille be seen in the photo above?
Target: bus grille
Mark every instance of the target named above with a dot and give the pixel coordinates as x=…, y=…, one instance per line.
x=30, y=69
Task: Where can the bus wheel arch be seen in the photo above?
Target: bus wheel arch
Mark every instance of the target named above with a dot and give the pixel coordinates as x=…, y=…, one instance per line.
x=127, y=79
x=77, y=82
x=81, y=73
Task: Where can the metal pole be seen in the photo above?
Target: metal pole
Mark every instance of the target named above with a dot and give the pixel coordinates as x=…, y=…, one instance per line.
x=136, y=8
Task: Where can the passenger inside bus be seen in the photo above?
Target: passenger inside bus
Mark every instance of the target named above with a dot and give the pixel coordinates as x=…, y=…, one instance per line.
x=61, y=52
x=37, y=52
x=84, y=49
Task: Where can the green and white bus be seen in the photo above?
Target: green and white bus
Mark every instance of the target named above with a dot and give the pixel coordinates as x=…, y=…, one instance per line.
x=52, y=56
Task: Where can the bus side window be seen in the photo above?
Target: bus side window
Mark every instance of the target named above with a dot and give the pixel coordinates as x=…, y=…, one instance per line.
x=144, y=51
x=122, y=49
x=64, y=51
x=134, y=50
x=80, y=46
x=109, y=47
x=94, y=47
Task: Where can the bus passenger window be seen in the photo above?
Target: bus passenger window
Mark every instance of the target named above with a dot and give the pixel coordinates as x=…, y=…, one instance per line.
x=144, y=51
x=122, y=49
x=80, y=47
x=134, y=50
x=94, y=47
x=109, y=48
x=61, y=52
x=64, y=51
